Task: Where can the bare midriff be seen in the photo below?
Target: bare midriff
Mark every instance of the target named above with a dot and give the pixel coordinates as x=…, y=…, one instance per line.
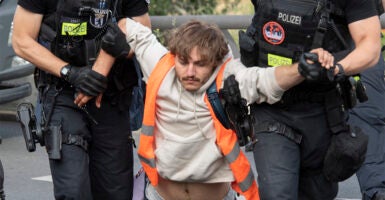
x=172, y=190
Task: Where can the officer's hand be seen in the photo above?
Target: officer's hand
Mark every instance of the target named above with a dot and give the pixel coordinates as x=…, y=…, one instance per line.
x=86, y=80
x=316, y=65
x=230, y=92
x=114, y=41
x=76, y=74
x=93, y=83
x=81, y=99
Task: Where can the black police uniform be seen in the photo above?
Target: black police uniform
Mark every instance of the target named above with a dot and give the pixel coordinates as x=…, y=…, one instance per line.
x=370, y=117
x=96, y=160
x=293, y=135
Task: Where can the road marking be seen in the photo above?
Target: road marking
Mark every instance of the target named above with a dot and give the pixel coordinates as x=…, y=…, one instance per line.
x=43, y=178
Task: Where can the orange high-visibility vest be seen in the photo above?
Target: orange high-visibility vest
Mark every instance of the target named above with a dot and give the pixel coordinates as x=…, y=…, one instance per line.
x=226, y=139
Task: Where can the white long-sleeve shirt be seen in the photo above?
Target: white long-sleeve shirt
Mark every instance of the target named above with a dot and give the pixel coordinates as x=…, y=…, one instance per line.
x=184, y=130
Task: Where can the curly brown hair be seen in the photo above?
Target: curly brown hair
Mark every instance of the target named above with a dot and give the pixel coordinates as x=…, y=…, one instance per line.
x=208, y=38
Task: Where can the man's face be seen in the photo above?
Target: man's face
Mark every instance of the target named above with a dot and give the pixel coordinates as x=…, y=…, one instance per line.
x=193, y=72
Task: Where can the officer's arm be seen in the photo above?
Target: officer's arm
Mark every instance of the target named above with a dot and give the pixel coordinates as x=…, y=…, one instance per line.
x=366, y=36
x=104, y=61
x=26, y=26
x=288, y=76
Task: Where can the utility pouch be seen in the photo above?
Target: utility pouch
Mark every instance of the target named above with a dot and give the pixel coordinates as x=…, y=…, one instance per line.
x=53, y=142
x=348, y=145
x=249, y=56
x=345, y=154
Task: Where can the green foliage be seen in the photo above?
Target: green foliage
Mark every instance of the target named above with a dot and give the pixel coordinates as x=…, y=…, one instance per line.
x=188, y=7
x=191, y=7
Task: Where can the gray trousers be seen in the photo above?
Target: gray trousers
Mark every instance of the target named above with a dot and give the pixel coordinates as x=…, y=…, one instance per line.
x=277, y=160
x=288, y=170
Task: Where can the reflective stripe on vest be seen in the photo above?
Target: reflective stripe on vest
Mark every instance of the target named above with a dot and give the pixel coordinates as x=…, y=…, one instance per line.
x=226, y=139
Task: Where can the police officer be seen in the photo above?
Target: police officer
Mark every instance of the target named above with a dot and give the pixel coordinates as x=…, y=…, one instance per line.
x=89, y=149
x=369, y=116
x=293, y=135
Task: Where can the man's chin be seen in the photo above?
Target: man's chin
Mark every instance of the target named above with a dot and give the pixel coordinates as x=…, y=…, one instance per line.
x=191, y=88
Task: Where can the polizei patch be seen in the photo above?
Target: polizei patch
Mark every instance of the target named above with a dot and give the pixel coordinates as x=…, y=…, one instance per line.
x=288, y=18
x=99, y=18
x=100, y=15
x=273, y=33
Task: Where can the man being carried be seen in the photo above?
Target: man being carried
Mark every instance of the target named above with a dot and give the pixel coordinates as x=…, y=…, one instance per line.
x=186, y=152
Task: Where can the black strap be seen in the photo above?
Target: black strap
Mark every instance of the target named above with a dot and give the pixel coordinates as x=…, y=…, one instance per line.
x=138, y=71
x=215, y=102
x=322, y=25
x=277, y=127
x=75, y=140
x=326, y=7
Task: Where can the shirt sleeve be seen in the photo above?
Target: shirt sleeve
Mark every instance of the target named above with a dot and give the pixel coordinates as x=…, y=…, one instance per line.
x=148, y=50
x=132, y=8
x=356, y=10
x=38, y=6
x=256, y=84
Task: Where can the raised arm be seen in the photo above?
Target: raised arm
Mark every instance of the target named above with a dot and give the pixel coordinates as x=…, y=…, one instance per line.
x=259, y=85
x=104, y=61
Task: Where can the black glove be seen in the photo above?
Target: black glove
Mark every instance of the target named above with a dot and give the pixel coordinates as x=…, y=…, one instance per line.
x=86, y=80
x=237, y=110
x=93, y=83
x=235, y=105
x=314, y=71
x=114, y=41
x=230, y=92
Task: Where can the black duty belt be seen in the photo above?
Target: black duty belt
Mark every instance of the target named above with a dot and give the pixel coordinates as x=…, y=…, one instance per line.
x=294, y=97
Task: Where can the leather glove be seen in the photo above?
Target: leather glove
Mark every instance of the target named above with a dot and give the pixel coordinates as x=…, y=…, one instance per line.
x=237, y=110
x=234, y=103
x=230, y=92
x=114, y=41
x=313, y=71
x=86, y=80
x=93, y=83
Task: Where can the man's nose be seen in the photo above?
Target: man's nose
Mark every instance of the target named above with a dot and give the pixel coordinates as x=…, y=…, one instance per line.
x=191, y=69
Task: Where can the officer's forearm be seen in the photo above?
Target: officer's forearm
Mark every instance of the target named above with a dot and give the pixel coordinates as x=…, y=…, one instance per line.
x=103, y=63
x=287, y=76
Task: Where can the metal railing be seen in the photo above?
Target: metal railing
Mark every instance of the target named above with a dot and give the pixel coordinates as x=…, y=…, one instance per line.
x=224, y=22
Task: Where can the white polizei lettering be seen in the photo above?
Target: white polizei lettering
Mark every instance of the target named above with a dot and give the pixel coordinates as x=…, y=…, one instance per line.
x=292, y=19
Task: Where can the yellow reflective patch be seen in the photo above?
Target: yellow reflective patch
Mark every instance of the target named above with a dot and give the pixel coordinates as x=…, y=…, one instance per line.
x=275, y=60
x=74, y=29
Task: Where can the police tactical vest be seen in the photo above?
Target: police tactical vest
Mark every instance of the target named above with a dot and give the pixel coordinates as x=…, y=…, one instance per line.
x=78, y=26
x=284, y=29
